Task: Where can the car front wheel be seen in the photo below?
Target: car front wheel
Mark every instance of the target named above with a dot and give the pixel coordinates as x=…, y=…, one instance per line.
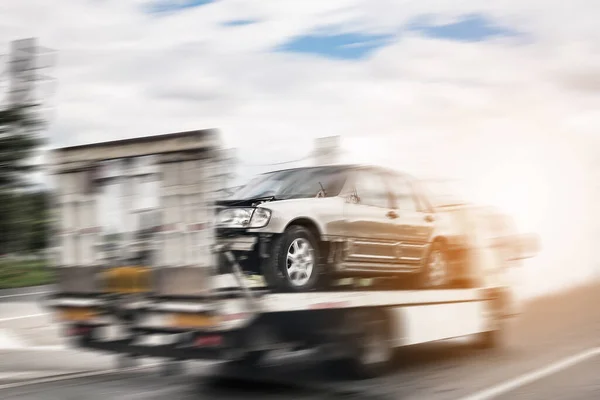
x=294, y=263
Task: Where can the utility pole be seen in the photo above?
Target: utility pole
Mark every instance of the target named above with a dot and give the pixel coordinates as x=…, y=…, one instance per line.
x=26, y=82
x=22, y=71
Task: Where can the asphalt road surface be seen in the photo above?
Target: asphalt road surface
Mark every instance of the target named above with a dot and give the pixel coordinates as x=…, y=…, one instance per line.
x=551, y=352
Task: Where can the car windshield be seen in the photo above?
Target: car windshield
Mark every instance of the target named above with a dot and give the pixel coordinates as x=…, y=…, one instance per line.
x=295, y=183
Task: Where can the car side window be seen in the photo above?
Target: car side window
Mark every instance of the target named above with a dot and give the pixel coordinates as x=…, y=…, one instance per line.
x=371, y=189
x=404, y=195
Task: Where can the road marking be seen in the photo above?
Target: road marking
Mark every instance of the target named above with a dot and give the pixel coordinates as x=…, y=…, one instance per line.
x=24, y=294
x=533, y=376
x=49, y=347
x=23, y=317
x=25, y=375
x=74, y=376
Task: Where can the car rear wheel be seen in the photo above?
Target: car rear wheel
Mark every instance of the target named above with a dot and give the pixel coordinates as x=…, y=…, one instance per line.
x=294, y=263
x=436, y=272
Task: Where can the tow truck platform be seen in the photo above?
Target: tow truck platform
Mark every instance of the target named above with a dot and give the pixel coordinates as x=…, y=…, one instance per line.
x=245, y=328
x=153, y=289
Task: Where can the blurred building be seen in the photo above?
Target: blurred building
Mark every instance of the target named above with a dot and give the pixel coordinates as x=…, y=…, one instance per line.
x=226, y=171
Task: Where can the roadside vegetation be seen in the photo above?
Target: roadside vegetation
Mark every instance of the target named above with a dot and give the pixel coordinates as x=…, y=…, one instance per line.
x=21, y=273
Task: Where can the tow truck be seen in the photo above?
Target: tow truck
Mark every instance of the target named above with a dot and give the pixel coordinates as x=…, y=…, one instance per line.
x=156, y=275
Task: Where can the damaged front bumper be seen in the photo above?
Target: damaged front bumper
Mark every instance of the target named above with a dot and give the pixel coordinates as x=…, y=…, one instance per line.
x=243, y=243
x=249, y=249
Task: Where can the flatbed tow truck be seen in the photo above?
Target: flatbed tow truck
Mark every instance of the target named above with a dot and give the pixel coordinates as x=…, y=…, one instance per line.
x=175, y=305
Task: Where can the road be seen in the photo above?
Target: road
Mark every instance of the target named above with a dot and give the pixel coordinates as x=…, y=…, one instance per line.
x=552, y=351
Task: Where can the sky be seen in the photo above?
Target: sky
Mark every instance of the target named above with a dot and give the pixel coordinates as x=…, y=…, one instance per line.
x=471, y=89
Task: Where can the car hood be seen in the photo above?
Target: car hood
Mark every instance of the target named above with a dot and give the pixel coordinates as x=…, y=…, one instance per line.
x=296, y=206
x=256, y=201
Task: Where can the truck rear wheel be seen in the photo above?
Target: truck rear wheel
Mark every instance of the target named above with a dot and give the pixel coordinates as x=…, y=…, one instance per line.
x=489, y=339
x=294, y=265
x=126, y=361
x=368, y=340
x=495, y=336
x=172, y=368
x=249, y=359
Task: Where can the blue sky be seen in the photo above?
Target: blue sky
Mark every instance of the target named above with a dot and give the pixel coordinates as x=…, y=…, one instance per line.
x=352, y=46
x=343, y=45
x=161, y=6
x=359, y=45
x=240, y=22
x=469, y=28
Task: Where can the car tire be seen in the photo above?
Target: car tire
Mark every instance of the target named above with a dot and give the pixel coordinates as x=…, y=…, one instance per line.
x=294, y=264
x=462, y=270
x=436, y=272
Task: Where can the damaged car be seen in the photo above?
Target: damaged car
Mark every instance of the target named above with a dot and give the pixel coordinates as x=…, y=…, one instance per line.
x=300, y=228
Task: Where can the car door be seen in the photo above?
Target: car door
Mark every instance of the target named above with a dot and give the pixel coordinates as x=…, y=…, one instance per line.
x=369, y=219
x=414, y=222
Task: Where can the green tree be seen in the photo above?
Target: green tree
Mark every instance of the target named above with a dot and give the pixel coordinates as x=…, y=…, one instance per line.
x=40, y=219
x=19, y=138
x=21, y=218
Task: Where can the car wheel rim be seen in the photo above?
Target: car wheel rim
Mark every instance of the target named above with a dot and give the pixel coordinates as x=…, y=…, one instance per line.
x=437, y=268
x=300, y=261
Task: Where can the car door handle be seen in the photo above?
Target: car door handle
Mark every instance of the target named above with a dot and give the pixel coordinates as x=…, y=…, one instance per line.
x=391, y=214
